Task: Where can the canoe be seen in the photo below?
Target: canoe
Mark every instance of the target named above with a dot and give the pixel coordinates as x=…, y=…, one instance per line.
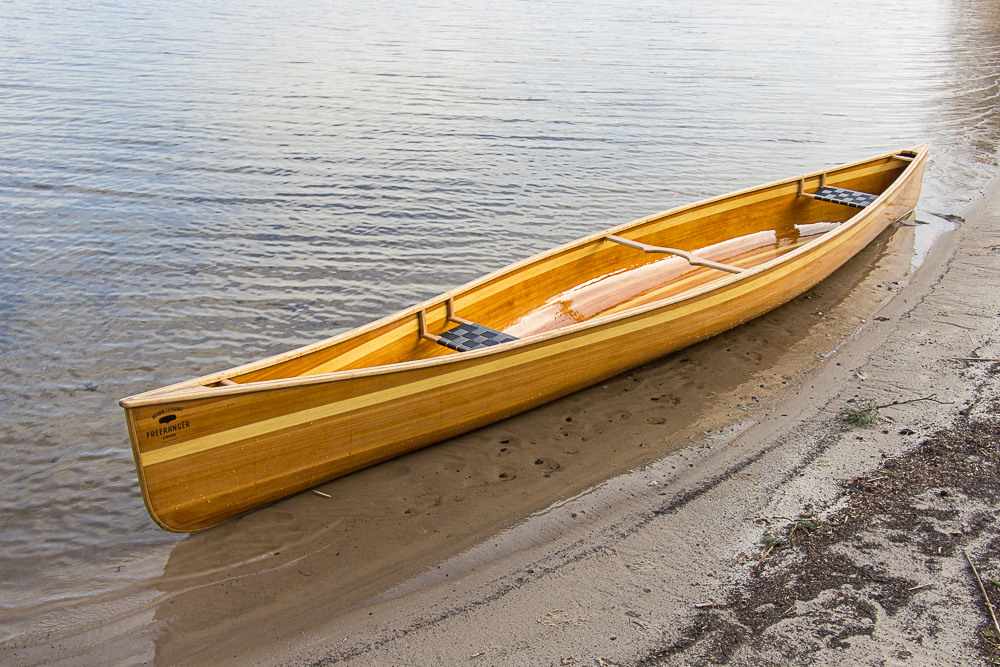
x=218, y=446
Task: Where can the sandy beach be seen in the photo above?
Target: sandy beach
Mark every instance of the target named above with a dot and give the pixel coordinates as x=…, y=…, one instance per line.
x=666, y=564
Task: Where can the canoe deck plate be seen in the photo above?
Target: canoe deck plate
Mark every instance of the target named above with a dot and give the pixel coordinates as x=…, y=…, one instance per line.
x=471, y=336
x=843, y=196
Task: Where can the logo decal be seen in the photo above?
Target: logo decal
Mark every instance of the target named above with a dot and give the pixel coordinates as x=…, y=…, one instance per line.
x=170, y=423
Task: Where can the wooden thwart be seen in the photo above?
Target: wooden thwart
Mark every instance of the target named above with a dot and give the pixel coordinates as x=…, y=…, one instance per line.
x=694, y=260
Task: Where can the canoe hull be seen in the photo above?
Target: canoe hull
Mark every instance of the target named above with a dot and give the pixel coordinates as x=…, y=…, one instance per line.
x=209, y=458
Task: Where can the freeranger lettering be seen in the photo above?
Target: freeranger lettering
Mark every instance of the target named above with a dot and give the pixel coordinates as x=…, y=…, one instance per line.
x=168, y=429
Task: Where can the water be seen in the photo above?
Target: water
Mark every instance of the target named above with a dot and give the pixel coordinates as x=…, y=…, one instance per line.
x=189, y=186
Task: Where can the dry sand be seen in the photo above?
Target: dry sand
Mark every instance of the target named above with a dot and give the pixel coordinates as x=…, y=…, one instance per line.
x=586, y=531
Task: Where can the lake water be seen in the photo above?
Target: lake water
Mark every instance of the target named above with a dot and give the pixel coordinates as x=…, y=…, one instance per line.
x=189, y=186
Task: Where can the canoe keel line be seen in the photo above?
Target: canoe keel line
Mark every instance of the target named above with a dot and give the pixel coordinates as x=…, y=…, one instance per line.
x=218, y=446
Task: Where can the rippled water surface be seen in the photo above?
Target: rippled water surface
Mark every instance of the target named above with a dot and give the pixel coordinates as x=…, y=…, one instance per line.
x=189, y=186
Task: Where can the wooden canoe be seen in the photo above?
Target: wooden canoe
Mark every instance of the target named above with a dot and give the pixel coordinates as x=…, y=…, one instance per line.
x=214, y=447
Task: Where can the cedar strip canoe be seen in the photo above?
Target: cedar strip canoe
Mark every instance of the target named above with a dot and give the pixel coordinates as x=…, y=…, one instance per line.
x=218, y=446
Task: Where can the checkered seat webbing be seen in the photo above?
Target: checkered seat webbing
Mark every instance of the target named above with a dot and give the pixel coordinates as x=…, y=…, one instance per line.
x=844, y=196
x=471, y=336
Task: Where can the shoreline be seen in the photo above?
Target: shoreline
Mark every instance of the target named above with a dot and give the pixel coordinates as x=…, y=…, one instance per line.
x=626, y=557
x=622, y=587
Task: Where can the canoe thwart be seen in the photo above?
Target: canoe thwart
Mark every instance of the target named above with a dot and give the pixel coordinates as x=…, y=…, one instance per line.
x=692, y=259
x=465, y=337
x=228, y=383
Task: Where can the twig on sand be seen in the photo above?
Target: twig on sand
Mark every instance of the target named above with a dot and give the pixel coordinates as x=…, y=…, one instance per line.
x=765, y=555
x=867, y=414
x=989, y=605
x=320, y=493
x=932, y=397
x=917, y=588
x=973, y=359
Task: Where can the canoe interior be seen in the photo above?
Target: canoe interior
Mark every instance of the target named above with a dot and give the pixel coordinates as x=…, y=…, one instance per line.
x=597, y=277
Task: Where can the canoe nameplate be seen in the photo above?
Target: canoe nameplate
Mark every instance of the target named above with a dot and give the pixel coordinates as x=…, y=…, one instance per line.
x=168, y=423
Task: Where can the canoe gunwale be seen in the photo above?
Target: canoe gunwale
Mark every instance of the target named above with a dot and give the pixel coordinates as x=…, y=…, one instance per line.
x=196, y=388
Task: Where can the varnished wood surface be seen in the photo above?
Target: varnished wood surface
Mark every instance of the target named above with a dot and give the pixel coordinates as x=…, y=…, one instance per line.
x=206, y=451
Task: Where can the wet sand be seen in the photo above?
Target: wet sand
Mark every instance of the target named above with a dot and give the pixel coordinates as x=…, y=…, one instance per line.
x=540, y=538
